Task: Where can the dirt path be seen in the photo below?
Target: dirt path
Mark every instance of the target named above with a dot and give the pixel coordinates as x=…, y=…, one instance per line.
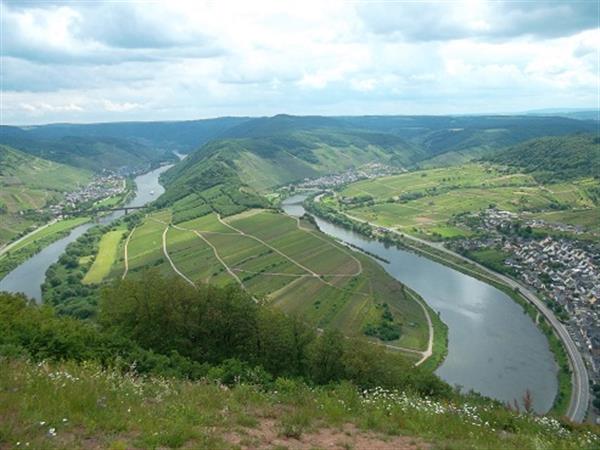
x=166, y=253
x=424, y=354
x=125, y=255
x=314, y=274
x=429, y=351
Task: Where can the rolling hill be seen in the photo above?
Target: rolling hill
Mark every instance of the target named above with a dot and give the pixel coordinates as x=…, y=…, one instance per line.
x=176, y=135
x=91, y=153
x=563, y=157
x=28, y=183
x=260, y=154
x=427, y=140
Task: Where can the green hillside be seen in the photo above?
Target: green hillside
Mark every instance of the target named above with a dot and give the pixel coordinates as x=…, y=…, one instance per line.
x=91, y=153
x=155, y=373
x=28, y=183
x=266, y=161
x=424, y=202
x=564, y=157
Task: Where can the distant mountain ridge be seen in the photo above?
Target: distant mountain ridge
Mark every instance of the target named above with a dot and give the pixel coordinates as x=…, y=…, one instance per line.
x=297, y=146
x=260, y=154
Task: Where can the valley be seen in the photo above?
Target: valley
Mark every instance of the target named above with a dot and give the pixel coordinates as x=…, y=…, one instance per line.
x=227, y=216
x=368, y=225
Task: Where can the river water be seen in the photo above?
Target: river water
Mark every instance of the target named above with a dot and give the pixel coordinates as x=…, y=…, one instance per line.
x=494, y=348
x=29, y=276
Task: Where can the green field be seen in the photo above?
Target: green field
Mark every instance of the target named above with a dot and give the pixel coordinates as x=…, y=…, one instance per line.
x=424, y=202
x=285, y=263
x=145, y=246
x=19, y=251
x=588, y=218
x=105, y=258
x=28, y=183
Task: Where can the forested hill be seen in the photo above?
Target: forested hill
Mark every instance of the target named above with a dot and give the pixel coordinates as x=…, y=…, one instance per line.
x=230, y=173
x=560, y=157
x=419, y=138
x=264, y=161
x=182, y=136
x=92, y=153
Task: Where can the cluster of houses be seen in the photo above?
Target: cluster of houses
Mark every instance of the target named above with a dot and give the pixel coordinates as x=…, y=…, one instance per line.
x=371, y=170
x=568, y=273
x=101, y=187
x=565, y=271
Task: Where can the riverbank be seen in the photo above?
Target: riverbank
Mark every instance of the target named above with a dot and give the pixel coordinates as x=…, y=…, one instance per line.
x=19, y=251
x=30, y=273
x=568, y=401
x=29, y=245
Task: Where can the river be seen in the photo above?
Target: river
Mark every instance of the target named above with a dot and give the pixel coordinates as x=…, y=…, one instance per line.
x=494, y=348
x=29, y=276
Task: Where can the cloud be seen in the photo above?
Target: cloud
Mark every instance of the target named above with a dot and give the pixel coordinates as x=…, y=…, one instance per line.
x=98, y=33
x=184, y=59
x=438, y=20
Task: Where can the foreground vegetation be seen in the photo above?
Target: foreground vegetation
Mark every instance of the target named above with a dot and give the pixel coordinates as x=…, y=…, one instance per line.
x=66, y=405
x=154, y=373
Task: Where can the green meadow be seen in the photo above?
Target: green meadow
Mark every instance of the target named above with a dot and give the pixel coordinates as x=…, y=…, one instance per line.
x=15, y=254
x=107, y=252
x=424, y=202
x=283, y=262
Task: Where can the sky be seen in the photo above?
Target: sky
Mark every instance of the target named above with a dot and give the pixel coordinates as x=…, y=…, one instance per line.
x=98, y=61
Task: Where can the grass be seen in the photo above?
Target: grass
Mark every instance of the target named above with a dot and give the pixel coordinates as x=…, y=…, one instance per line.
x=107, y=253
x=54, y=406
x=302, y=272
x=14, y=255
x=424, y=202
x=588, y=217
x=145, y=246
x=55, y=228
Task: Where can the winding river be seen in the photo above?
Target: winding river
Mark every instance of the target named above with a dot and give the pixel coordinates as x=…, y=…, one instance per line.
x=29, y=276
x=494, y=348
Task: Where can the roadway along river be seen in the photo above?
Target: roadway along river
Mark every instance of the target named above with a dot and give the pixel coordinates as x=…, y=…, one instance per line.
x=29, y=276
x=494, y=348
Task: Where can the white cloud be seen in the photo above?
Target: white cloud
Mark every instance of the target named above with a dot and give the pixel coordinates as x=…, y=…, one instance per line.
x=187, y=59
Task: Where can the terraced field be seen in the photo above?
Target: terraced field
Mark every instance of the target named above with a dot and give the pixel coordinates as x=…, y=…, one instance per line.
x=423, y=202
x=281, y=261
x=145, y=245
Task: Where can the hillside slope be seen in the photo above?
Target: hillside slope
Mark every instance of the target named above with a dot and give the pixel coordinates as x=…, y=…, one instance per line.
x=28, y=183
x=176, y=135
x=91, y=153
x=154, y=373
x=563, y=157
x=270, y=155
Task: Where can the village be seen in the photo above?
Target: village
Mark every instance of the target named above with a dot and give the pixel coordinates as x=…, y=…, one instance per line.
x=371, y=170
x=563, y=270
x=103, y=186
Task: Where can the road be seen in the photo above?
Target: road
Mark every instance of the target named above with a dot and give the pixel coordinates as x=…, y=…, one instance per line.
x=125, y=253
x=580, y=395
x=8, y=247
